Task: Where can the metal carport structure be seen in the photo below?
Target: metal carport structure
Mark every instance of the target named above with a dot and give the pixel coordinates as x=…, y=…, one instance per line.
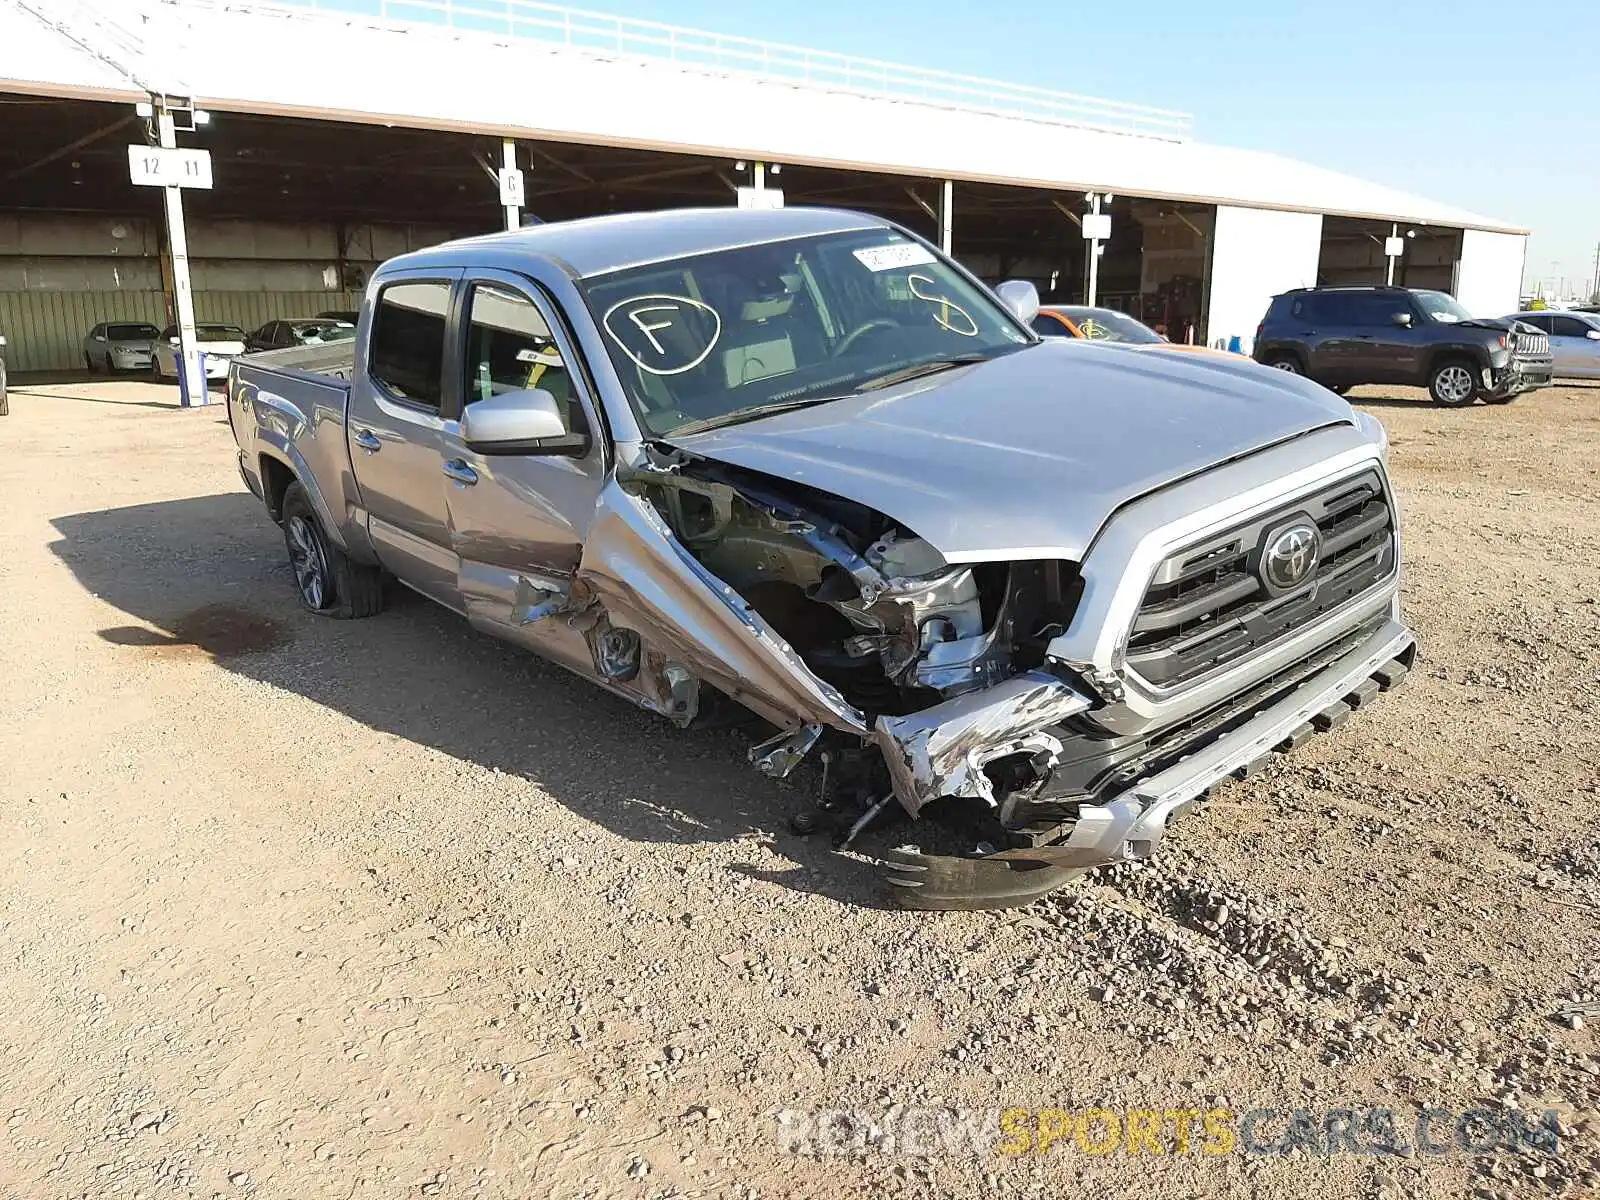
x=619, y=112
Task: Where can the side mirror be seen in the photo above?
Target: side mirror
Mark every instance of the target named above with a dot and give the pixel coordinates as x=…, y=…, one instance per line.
x=521, y=422
x=1021, y=297
x=99, y=337
x=1593, y=335
x=1402, y=319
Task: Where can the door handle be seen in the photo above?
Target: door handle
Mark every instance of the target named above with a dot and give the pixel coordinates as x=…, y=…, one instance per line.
x=460, y=472
x=368, y=441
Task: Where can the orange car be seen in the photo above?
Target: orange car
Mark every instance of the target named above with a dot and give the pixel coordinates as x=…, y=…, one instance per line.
x=1105, y=325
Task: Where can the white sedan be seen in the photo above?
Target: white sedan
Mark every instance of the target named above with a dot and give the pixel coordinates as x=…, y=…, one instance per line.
x=218, y=345
x=1574, y=341
x=119, y=346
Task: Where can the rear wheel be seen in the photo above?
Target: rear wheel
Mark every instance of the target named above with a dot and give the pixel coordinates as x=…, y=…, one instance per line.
x=1286, y=362
x=328, y=582
x=1453, y=383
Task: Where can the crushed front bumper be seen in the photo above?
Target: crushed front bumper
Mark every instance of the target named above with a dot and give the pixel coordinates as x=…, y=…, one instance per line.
x=1131, y=824
x=1518, y=376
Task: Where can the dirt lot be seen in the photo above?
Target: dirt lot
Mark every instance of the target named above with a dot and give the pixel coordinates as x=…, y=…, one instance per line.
x=300, y=908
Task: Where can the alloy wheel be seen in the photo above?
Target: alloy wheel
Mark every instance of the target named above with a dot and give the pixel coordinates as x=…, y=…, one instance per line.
x=1454, y=384
x=309, y=562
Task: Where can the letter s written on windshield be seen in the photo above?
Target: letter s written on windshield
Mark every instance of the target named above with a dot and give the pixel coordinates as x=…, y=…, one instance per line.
x=663, y=334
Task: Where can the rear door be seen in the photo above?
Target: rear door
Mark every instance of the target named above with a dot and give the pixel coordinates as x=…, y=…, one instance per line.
x=517, y=521
x=395, y=431
x=1331, y=337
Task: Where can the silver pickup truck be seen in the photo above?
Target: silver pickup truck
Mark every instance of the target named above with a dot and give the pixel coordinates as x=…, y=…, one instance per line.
x=799, y=463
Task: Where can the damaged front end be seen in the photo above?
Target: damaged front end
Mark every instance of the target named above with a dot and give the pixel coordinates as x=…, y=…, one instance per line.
x=928, y=685
x=833, y=623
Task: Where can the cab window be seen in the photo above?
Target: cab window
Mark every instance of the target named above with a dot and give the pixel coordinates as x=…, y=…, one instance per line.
x=407, y=355
x=510, y=348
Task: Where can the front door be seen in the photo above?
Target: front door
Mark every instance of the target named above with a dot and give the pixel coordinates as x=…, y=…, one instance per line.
x=1399, y=352
x=517, y=521
x=395, y=428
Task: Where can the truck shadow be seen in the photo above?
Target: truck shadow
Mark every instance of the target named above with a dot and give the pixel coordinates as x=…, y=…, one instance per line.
x=207, y=578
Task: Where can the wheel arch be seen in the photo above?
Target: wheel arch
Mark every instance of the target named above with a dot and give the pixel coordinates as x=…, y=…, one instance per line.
x=1469, y=352
x=281, y=465
x=1274, y=352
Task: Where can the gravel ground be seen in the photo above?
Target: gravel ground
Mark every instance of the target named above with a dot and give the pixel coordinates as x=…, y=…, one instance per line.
x=294, y=907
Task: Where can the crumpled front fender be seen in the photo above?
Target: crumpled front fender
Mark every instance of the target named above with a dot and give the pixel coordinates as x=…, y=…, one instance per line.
x=648, y=582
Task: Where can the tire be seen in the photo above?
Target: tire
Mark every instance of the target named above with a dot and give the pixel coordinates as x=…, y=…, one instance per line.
x=1284, y=362
x=1453, y=383
x=326, y=581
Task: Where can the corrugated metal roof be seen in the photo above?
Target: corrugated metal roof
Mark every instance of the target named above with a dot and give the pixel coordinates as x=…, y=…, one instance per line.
x=318, y=64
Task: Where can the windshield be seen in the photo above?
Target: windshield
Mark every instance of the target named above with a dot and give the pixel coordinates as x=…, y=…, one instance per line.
x=324, y=331
x=712, y=336
x=131, y=333
x=1108, y=325
x=1442, y=307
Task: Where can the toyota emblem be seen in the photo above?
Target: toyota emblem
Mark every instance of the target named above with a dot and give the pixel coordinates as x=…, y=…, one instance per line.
x=1291, y=557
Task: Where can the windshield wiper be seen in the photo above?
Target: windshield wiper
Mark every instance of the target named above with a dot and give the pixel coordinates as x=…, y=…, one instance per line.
x=755, y=413
x=932, y=366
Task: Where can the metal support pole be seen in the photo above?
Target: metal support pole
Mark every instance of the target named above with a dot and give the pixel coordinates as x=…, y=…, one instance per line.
x=1394, y=232
x=1094, y=255
x=947, y=204
x=758, y=177
x=508, y=157
x=191, y=379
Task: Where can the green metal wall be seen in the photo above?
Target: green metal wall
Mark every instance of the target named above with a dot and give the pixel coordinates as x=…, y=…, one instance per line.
x=44, y=330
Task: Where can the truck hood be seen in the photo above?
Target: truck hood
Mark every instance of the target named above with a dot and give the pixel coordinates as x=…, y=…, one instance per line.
x=1027, y=455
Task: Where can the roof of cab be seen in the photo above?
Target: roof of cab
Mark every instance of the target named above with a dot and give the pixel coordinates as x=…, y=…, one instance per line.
x=597, y=245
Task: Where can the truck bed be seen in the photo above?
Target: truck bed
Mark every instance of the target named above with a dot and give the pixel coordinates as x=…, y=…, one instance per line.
x=335, y=360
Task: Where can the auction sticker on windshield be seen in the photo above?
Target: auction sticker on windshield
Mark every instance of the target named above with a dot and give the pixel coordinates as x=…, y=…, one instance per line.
x=889, y=258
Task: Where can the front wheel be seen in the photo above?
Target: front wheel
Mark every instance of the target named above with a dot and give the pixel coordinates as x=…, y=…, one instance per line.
x=329, y=584
x=1453, y=384
x=1286, y=362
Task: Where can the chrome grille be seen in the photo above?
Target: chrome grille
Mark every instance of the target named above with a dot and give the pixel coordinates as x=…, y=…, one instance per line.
x=1208, y=606
x=1529, y=343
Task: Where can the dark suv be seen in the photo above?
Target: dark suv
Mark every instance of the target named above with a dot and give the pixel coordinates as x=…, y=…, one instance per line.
x=1344, y=336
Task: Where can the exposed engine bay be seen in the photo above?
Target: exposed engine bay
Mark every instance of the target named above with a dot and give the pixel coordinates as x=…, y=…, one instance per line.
x=874, y=611
x=869, y=606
